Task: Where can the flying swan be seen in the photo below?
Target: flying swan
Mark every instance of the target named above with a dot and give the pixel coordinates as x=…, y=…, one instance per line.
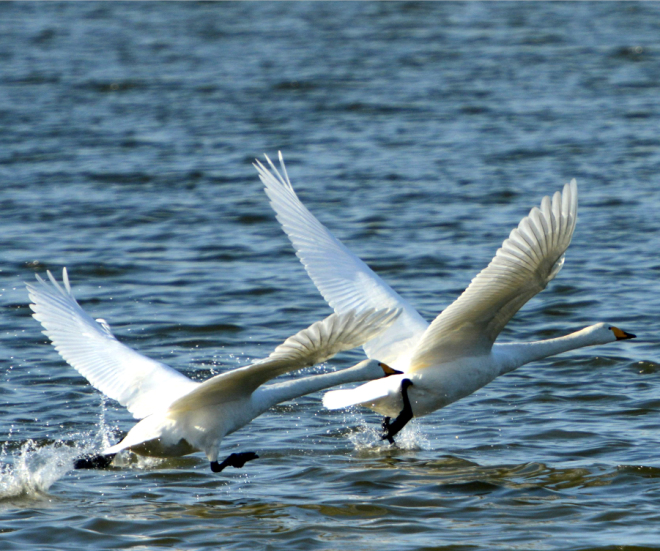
x=456, y=354
x=178, y=415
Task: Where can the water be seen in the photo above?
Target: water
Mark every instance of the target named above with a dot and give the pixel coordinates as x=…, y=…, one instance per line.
x=420, y=134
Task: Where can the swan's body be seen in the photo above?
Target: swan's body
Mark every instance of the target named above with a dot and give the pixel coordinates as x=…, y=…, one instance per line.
x=438, y=386
x=181, y=416
x=187, y=426
x=456, y=354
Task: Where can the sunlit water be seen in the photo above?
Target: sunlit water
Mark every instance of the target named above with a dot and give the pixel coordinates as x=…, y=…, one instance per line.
x=420, y=134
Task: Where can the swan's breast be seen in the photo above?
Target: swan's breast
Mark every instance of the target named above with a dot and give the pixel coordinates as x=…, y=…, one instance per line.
x=438, y=386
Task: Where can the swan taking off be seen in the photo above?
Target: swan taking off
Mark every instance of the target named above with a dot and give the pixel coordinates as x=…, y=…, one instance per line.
x=456, y=354
x=180, y=416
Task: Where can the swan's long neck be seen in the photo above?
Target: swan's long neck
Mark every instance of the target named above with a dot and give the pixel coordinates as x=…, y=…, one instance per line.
x=510, y=356
x=270, y=395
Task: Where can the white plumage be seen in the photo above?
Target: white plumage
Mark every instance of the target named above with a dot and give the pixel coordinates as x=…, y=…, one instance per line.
x=456, y=354
x=179, y=415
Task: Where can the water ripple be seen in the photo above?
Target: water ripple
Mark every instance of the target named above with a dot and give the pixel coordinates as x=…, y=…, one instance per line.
x=420, y=133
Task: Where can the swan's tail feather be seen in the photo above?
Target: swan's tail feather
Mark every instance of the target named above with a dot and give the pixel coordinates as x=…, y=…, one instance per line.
x=382, y=395
x=339, y=399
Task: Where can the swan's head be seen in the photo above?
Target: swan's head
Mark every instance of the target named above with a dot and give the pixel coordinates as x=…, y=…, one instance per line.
x=609, y=333
x=373, y=369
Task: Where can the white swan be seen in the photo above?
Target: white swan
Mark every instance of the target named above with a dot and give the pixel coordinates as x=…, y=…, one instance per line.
x=456, y=354
x=181, y=416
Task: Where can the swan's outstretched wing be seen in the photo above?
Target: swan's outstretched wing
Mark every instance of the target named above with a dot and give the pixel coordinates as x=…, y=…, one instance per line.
x=527, y=261
x=135, y=381
x=316, y=344
x=345, y=282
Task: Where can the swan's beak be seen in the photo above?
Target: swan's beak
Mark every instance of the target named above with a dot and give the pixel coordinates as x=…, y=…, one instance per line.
x=622, y=335
x=388, y=370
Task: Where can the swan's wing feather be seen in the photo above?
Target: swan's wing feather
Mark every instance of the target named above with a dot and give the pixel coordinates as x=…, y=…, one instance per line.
x=527, y=261
x=344, y=280
x=135, y=381
x=316, y=344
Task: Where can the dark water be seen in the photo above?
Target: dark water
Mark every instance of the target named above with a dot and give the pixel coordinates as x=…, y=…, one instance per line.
x=420, y=134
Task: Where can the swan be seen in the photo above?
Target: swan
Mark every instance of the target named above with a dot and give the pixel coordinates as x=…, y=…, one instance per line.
x=177, y=415
x=456, y=354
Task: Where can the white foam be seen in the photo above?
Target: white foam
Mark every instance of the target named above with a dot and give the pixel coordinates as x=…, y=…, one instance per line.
x=367, y=437
x=31, y=470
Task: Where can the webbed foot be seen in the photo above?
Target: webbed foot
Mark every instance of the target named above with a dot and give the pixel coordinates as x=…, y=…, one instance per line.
x=236, y=460
x=91, y=461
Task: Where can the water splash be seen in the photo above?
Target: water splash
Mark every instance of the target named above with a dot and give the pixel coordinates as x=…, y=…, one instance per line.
x=367, y=437
x=32, y=469
x=130, y=460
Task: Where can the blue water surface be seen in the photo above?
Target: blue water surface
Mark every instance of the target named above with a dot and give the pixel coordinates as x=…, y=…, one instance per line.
x=420, y=133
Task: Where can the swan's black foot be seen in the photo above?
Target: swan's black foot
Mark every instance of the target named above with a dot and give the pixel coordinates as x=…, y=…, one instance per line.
x=385, y=426
x=236, y=460
x=391, y=428
x=90, y=461
x=387, y=433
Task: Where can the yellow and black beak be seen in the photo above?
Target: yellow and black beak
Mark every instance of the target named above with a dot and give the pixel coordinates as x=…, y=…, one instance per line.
x=621, y=335
x=388, y=370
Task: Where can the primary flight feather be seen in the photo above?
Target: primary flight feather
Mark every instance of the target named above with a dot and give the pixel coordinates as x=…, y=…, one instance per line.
x=178, y=415
x=456, y=354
